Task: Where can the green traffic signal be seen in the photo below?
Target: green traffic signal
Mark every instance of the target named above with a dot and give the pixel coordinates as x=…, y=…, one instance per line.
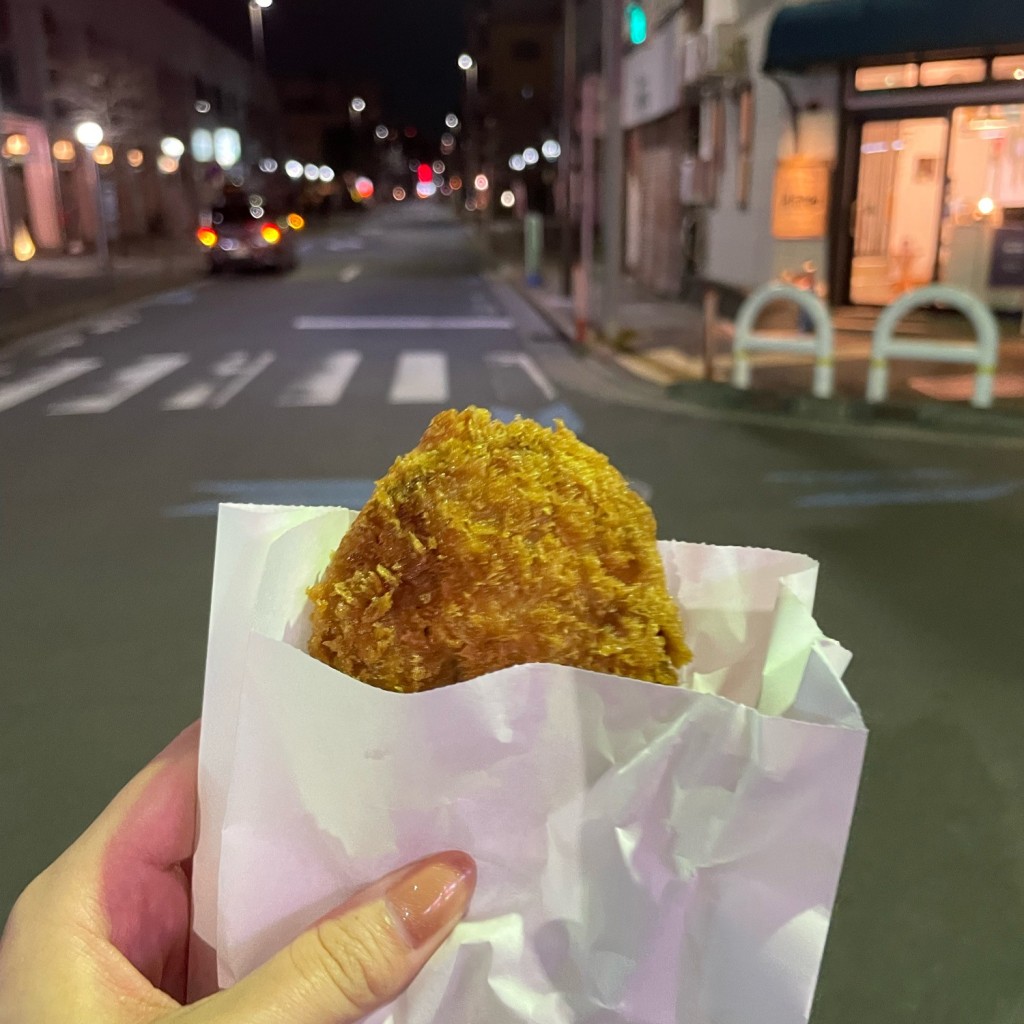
x=636, y=21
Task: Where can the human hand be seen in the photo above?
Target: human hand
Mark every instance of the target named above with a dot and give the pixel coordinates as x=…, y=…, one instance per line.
x=101, y=936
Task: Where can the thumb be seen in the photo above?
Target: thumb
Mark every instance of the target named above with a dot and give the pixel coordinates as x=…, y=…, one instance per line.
x=356, y=959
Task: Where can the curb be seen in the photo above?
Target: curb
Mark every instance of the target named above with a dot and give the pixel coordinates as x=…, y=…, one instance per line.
x=937, y=417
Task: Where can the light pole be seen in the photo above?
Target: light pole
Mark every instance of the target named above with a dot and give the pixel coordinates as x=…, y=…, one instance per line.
x=469, y=68
x=611, y=161
x=90, y=135
x=259, y=49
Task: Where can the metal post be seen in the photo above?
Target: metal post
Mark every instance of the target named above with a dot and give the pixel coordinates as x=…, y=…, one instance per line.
x=102, y=246
x=259, y=48
x=566, y=158
x=611, y=178
x=588, y=211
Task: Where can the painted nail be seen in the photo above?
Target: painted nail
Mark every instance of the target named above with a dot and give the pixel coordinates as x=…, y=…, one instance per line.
x=432, y=895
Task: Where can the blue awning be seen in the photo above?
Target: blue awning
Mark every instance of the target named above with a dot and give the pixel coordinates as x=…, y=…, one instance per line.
x=847, y=31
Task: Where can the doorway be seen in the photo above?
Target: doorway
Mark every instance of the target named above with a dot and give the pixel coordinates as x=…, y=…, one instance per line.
x=898, y=213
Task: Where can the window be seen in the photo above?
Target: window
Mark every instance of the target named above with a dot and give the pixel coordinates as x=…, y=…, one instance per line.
x=889, y=76
x=5, y=21
x=524, y=50
x=952, y=72
x=1008, y=68
x=8, y=77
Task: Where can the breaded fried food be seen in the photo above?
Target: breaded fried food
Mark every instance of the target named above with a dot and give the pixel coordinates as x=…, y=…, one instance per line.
x=491, y=545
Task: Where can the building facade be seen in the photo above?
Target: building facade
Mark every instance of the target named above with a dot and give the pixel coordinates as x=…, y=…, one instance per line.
x=179, y=110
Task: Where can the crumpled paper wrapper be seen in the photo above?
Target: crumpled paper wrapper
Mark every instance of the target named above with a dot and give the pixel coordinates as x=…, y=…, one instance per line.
x=645, y=853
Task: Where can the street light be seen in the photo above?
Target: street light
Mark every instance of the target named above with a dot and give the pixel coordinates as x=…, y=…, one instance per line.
x=358, y=104
x=259, y=49
x=465, y=61
x=90, y=135
x=452, y=121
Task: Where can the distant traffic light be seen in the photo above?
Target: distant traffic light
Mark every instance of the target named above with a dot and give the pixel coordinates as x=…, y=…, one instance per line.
x=425, y=173
x=636, y=23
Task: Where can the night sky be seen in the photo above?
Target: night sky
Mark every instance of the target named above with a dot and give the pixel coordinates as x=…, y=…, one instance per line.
x=407, y=47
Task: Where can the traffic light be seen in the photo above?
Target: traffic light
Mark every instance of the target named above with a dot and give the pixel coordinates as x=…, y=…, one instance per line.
x=425, y=173
x=636, y=23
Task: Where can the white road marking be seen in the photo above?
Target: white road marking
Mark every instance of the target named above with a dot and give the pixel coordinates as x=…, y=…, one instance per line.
x=326, y=385
x=403, y=323
x=43, y=379
x=528, y=366
x=420, y=377
x=228, y=377
x=350, y=273
x=113, y=322
x=344, y=244
x=123, y=385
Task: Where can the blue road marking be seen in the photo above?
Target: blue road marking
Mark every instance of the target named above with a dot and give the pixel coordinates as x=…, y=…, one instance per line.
x=909, y=496
x=546, y=416
x=347, y=493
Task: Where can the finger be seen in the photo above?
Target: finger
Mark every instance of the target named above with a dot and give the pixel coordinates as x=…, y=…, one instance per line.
x=359, y=958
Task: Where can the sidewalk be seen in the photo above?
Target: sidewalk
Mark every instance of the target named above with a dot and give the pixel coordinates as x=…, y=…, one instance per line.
x=662, y=341
x=51, y=290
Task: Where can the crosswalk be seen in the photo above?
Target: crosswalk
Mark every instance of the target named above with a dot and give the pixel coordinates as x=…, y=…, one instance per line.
x=179, y=382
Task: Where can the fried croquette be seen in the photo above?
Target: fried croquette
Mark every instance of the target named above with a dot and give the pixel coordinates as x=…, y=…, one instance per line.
x=491, y=545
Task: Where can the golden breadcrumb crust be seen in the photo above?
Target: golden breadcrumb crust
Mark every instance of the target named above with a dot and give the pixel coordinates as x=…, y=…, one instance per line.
x=492, y=545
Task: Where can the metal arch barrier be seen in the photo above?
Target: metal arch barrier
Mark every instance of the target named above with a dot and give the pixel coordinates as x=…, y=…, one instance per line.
x=984, y=353
x=820, y=345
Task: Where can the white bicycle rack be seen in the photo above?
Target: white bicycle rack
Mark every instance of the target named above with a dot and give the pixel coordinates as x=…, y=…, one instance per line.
x=820, y=344
x=984, y=352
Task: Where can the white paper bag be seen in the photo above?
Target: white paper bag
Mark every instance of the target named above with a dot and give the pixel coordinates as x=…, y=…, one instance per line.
x=645, y=853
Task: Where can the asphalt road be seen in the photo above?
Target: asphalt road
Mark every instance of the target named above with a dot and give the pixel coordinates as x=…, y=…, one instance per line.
x=118, y=437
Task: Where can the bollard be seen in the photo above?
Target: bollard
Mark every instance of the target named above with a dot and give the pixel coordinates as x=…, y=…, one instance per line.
x=533, y=245
x=821, y=346
x=984, y=352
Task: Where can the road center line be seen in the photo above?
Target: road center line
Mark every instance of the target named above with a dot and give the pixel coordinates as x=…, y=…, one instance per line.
x=420, y=377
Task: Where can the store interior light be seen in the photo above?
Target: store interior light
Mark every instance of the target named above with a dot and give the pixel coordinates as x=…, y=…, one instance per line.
x=293, y=169
x=986, y=206
x=103, y=155
x=171, y=146
x=136, y=158
x=64, y=151
x=17, y=145
x=166, y=164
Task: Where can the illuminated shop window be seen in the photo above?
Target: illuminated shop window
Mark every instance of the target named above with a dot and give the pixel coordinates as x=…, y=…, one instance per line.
x=888, y=76
x=1012, y=68
x=952, y=72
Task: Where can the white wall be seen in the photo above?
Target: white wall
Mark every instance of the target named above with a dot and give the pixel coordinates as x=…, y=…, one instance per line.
x=741, y=250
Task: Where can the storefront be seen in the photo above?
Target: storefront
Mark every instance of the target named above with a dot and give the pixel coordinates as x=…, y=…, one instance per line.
x=929, y=168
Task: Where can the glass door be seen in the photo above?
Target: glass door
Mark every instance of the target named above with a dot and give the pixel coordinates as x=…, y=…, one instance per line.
x=897, y=217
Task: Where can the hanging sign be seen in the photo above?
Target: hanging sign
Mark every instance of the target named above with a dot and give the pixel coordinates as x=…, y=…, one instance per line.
x=800, y=201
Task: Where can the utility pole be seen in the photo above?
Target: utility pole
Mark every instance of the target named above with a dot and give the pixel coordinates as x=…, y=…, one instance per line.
x=567, y=155
x=611, y=184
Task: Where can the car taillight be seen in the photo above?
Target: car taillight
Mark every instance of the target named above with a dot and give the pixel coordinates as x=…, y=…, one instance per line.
x=296, y=221
x=207, y=236
x=271, y=234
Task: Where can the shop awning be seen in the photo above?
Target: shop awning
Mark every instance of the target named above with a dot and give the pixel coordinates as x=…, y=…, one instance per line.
x=842, y=31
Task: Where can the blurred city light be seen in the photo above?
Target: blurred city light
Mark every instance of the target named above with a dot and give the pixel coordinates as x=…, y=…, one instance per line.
x=636, y=21
x=516, y=162
x=166, y=164
x=24, y=248
x=414, y=165
x=293, y=169
x=481, y=183
x=424, y=172
x=398, y=193
x=358, y=104
x=171, y=146
x=64, y=151
x=452, y=121
x=202, y=145
x=268, y=165
x=438, y=166
x=471, y=205
x=447, y=139
x=986, y=206
x=508, y=199
x=364, y=187
x=551, y=150
x=446, y=190
x=381, y=132
x=264, y=3
x=326, y=173
x=207, y=237
x=296, y=221
x=256, y=212
x=17, y=145
x=271, y=234
x=425, y=189
x=136, y=158
x=456, y=182
x=255, y=200
x=465, y=61
x=227, y=147
x=438, y=179
x=103, y=155
x=410, y=132
x=530, y=155
x=312, y=172
x=89, y=134
x=202, y=106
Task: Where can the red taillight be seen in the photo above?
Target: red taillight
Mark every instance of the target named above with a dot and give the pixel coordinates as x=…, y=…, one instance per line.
x=271, y=234
x=207, y=236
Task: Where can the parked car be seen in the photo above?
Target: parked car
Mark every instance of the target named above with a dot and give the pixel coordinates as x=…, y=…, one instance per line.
x=243, y=231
